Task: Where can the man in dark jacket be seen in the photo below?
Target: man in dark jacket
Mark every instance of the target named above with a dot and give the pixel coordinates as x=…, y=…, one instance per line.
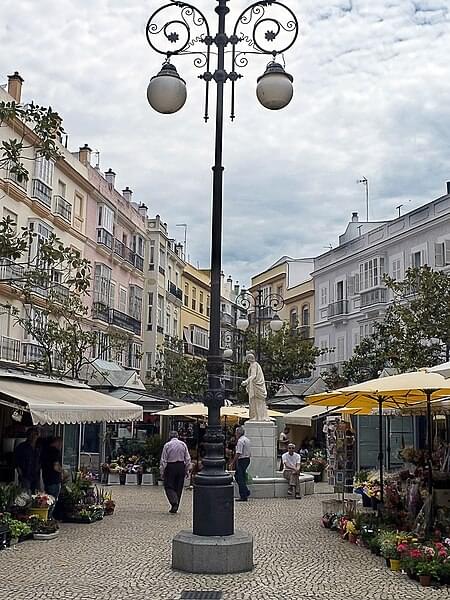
x=27, y=460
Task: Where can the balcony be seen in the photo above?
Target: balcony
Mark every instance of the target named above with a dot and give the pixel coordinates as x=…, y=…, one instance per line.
x=105, y=238
x=337, y=309
x=10, y=272
x=124, y=321
x=175, y=291
x=63, y=208
x=9, y=349
x=162, y=270
x=18, y=180
x=304, y=332
x=31, y=353
x=42, y=192
x=100, y=311
x=376, y=296
x=138, y=262
x=226, y=318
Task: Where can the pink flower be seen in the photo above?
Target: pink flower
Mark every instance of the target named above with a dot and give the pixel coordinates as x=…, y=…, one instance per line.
x=402, y=547
x=442, y=553
x=415, y=553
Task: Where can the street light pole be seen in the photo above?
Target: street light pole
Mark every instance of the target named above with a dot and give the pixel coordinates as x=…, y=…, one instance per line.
x=185, y=31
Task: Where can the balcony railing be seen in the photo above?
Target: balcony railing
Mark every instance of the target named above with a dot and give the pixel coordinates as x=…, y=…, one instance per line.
x=119, y=248
x=100, y=311
x=9, y=272
x=125, y=321
x=304, y=332
x=9, y=349
x=338, y=308
x=18, y=180
x=376, y=296
x=174, y=290
x=104, y=238
x=63, y=208
x=138, y=262
x=42, y=192
x=31, y=352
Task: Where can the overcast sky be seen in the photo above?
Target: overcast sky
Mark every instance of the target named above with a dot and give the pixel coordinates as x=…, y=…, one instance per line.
x=372, y=98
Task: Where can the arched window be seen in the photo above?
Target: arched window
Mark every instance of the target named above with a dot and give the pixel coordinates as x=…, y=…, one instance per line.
x=305, y=314
x=293, y=318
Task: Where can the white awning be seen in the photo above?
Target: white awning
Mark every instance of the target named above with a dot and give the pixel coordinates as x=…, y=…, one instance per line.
x=304, y=415
x=51, y=401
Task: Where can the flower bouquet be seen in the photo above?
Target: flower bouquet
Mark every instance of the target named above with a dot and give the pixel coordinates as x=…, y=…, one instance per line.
x=40, y=504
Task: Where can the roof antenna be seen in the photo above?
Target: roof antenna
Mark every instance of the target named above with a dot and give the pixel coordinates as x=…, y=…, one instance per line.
x=365, y=182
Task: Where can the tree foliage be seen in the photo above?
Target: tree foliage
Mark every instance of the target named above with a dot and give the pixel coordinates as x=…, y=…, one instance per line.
x=415, y=331
x=179, y=376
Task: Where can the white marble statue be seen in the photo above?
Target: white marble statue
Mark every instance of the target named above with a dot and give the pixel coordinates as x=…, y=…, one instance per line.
x=256, y=390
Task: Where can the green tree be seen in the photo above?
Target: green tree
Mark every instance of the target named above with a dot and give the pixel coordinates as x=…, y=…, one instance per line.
x=333, y=378
x=179, y=376
x=284, y=356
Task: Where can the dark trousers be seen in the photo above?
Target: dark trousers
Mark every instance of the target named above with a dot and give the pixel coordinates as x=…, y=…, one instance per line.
x=174, y=481
x=240, y=476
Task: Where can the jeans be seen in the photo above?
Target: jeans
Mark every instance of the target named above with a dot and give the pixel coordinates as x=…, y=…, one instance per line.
x=240, y=476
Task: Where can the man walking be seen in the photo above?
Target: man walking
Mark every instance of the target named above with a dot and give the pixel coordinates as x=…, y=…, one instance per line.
x=52, y=469
x=291, y=463
x=241, y=463
x=27, y=460
x=174, y=467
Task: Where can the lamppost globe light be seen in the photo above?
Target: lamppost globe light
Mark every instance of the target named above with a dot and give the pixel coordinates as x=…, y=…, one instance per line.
x=274, y=89
x=228, y=353
x=276, y=324
x=166, y=92
x=242, y=324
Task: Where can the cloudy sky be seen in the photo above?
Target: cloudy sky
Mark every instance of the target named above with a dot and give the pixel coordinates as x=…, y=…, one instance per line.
x=372, y=98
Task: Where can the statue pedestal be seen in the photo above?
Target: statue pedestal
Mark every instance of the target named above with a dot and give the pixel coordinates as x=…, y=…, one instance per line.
x=263, y=443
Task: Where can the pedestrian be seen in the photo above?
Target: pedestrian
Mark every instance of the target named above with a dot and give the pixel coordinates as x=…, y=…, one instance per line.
x=283, y=442
x=27, y=461
x=291, y=463
x=241, y=462
x=52, y=469
x=174, y=467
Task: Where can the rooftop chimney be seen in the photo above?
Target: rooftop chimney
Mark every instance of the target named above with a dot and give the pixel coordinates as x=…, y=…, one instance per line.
x=236, y=288
x=84, y=155
x=355, y=217
x=448, y=188
x=127, y=194
x=15, y=86
x=110, y=177
x=142, y=210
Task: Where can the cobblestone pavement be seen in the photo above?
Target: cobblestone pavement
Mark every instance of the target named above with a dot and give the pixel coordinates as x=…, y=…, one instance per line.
x=127, y=557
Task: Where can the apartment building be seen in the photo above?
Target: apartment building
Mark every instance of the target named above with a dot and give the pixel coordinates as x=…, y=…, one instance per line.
x=289, y=279
x=80, y=206
x=350, y=295
x=195, y=310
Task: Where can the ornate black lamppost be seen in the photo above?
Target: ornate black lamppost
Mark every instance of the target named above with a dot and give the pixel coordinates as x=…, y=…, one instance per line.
x=178, y=28
x=265, y=307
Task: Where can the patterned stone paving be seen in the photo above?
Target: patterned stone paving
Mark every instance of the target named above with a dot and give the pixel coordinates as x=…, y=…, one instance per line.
x=127, y=557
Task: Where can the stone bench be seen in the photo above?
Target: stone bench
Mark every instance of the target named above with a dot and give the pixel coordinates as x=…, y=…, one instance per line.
x=276, y=487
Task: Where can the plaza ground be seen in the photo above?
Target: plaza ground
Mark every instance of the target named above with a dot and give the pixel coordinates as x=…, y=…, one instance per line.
x=127, y=557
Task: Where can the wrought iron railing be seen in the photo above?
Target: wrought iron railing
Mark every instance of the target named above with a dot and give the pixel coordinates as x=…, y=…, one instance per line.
x=63, y=208
x=42, y=192
x=338, y=308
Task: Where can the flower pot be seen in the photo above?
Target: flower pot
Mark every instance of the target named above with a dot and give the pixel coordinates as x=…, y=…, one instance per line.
x=395, y=564
x=113, y=479
x=42, y=513
x=131, y=479
x=147, y=479
x=425, y=580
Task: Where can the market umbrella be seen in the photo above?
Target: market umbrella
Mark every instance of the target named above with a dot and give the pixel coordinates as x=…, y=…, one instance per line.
x=198, y=409
x=396, y=391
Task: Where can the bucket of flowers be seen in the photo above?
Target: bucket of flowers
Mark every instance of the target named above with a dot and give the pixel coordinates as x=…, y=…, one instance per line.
x=40, y=504
x=43, y=530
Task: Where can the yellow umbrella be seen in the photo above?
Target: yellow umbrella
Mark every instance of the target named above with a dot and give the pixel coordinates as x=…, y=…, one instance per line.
x=396, y=391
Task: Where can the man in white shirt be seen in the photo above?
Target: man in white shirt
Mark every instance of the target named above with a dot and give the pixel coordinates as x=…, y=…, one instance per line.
x=174, y=467
x=291, y=470
x=241, y=462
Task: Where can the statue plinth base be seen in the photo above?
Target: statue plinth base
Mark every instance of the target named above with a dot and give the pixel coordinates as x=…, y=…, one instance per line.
x=263, y=443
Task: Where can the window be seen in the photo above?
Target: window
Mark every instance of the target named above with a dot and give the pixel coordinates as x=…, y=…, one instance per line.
x=397, y=269
x=152, y=252
x=102, y=283
x=112, y=294
x=12, y=217
x=160, y=321
x=105, y=218
x=370, y=273
x=201, y=305
x=150, y=308
x=293, y=318
x=340, y=349
x=442, y=253
x=169, y=273
x=78, y=205
x=42, y=233
x=135, y=308
x=324, y=295
x=125, y=240
x=38, y=320
x=208, y=306
x=44, y=170
x=168, y=332
x=148, y=361
x=280, y=290
x=162, y=257
x=186, y=294
x=175, y=323
x=305, y=315
x=323, y=347
x=61, y=189
x=138, y=245
x=123, y=297
x=355, y=338
x=194, y=298
x=352, y=285
x=365, y=330
x=416, y=259
x=199, y=337
x=177, y=275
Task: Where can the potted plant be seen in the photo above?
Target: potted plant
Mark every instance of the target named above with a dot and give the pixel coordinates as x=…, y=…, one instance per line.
x=16, y=529
x=426, y=570
x=40, y=504
x=44, y=530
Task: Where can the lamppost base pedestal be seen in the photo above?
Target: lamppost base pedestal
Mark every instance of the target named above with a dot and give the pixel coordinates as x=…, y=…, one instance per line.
x=212, y=554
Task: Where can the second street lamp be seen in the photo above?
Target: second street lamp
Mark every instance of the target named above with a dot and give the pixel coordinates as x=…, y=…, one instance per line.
x=268, y=28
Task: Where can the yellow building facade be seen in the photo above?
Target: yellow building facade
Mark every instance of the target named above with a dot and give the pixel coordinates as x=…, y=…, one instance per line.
x=195, y=310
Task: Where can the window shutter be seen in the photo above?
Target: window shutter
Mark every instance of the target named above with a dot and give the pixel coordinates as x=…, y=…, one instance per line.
x=447, y=252
x=357, y=283
x=350, y=286
x=439, y=254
